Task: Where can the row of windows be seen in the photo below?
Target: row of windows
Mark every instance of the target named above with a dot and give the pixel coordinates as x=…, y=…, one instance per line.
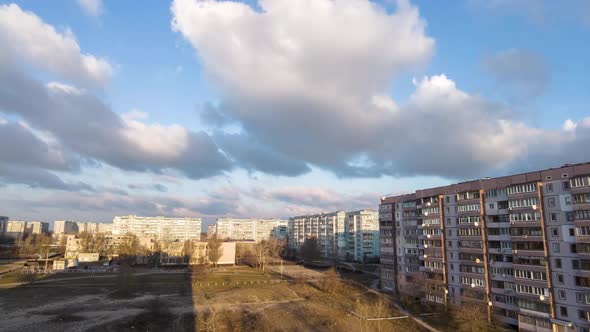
x=530, y=231
x=472, y=269
x=468, y=208
x=468, y=195
x=434, y=221
x=582, y=215
x=495, y=192
x=583, y=181
x=501, y=270
x=530, y=260
x=525, y=202
x=533, y=305
x=531, y=290
x=532, y=275
x=522, y=188
x=581, y=198
x=525, y=216
x=431, y=231
x=430, y=210
x=468, y=220
x=433, y=265
x=499, y=231
x=470, y=231
x=474, y=282
x=583, y=231
x=471, y=244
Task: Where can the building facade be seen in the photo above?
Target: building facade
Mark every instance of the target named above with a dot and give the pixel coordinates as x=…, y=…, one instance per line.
x=61, y=227
x=518, y=245
x=3, y=224
x=363, y=235
x=250, y=229
x=37, y=227
x=340, y=235
x=15, y=228
x=160, y=228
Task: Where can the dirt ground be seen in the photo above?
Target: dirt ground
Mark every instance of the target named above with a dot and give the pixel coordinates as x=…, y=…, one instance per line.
x=240, y=299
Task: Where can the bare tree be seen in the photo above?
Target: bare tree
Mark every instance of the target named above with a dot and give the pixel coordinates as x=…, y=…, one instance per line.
x=214, y=250
x=472, y=318
x=129, y=248
x=85, y=242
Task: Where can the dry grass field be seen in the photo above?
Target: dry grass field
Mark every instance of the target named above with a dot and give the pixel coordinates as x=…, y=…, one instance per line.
x=229, y=299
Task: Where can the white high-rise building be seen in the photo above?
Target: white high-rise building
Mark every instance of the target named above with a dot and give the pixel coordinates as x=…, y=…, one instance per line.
x=160, y=228
x=251, y=229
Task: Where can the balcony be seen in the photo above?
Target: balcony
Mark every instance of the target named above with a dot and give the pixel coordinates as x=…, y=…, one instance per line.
x=583, y=238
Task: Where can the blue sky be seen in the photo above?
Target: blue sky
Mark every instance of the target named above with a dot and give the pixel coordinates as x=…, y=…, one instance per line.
x=329, y=115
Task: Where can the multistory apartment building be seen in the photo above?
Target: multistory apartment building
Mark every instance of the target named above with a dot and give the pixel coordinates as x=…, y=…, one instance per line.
x=159, y=228
x=64, y=227
x=340, y=235
x=251, y=229
x=16, y=228
x=36, y=227
x=328, y=228
x=518, y=245
x=363, y=235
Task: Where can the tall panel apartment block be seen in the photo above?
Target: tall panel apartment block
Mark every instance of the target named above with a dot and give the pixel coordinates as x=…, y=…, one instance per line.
x=517, y=245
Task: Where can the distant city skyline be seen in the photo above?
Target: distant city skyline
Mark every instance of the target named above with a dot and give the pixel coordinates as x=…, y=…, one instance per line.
x=193, y=108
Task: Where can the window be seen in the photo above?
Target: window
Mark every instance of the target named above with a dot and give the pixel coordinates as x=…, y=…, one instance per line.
x=571, y=230
x=561, y=294
x=565, y=185
x=580, y=297
x=555, y=247
x=549, y=187
x=553, y=216
x=573, y=248
x=575, y=264
x=560, y=278
x=551, y=202
x=491, y=205
x=558, y=263
x=563, y=311
x=555, y=231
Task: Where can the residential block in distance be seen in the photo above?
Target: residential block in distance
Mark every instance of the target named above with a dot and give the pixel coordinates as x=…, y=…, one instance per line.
x=159, y=228
x=340, y=235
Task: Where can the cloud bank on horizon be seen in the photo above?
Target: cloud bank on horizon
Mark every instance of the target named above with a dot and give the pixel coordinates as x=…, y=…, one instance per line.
x=303, y=86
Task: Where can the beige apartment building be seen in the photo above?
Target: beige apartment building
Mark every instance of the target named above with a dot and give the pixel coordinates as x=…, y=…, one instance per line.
x=517, y=245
